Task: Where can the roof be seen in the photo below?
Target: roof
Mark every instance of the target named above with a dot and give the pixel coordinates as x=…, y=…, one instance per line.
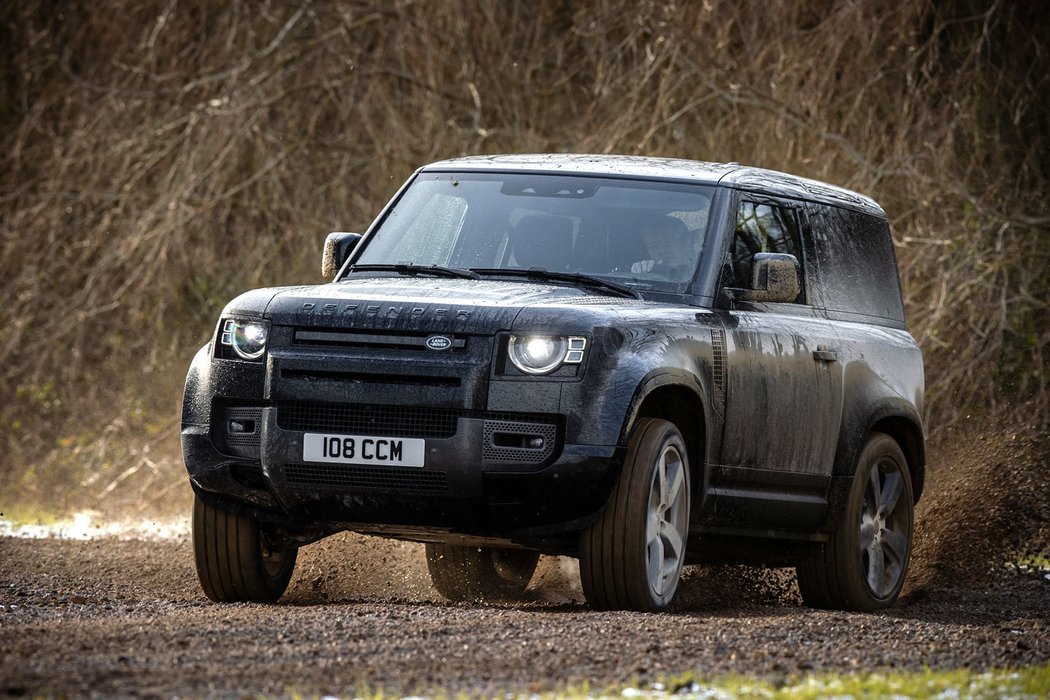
x=734, y=175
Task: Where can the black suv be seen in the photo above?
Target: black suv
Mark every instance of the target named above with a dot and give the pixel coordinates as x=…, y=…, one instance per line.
x=638, y=362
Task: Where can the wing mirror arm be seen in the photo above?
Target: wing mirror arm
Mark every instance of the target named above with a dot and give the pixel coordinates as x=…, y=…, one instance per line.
x=338, y=246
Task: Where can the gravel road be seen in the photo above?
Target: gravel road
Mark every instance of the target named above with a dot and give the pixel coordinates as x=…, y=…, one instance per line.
x=110, y=617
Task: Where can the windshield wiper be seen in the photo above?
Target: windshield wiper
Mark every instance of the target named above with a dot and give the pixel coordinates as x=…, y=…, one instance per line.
x=412, y=270
x=581, y=280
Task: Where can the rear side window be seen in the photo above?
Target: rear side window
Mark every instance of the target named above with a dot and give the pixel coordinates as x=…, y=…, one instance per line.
x=763, y=228
x=855, y=270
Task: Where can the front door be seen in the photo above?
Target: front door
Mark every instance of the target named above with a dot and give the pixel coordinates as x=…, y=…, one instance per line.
x=783, y=393
x=783, y=398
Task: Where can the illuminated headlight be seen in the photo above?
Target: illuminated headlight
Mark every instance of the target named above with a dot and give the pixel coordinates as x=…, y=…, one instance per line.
x=247, y=338
x=542, y=354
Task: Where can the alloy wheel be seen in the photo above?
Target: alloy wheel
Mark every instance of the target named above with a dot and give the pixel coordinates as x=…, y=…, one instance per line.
x=666, y=524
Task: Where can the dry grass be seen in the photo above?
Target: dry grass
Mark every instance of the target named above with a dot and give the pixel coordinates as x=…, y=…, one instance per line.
x=160, y=156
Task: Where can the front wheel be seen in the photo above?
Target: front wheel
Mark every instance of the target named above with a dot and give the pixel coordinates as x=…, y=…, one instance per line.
x=631, y=558
x=237, y=560
x=480, y=573
x=863, y=564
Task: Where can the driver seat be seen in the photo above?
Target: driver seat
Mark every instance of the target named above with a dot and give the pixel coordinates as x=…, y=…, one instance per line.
x=543, y=240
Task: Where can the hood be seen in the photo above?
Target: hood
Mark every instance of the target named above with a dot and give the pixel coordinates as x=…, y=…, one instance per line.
x=425, y=304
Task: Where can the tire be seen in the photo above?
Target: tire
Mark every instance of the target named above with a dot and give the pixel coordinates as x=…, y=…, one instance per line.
x=480, y=573
x=863, y=565
x=631, y=558
x=236, y=560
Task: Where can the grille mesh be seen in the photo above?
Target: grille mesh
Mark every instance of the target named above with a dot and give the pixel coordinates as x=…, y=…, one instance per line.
x=386, y=478
x=492, y=452
x=388, y=421
x=718, y=363
x=241, y=444
x=392, y=421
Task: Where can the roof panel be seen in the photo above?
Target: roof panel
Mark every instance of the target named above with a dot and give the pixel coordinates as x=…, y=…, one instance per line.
x=731, y=174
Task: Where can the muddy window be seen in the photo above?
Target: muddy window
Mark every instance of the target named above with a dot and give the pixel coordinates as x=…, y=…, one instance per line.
x=856, y=270
x=763, y=228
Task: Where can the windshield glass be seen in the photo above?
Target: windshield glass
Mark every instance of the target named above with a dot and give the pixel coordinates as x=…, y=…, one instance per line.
x=641, y=233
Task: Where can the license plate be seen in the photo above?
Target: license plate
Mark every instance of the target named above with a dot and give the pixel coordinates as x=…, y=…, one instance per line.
x=363, y=449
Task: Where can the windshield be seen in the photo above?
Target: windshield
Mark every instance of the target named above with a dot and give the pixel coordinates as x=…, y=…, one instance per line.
x=643, y=234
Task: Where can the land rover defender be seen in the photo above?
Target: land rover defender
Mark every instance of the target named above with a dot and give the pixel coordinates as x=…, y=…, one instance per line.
x=640, y=362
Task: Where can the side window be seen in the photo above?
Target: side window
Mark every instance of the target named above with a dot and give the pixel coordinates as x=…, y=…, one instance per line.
x=856, y=270
x=763, y=228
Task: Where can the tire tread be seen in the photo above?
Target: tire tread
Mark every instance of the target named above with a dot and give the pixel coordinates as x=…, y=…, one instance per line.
x=228, y=558
x=608, y=573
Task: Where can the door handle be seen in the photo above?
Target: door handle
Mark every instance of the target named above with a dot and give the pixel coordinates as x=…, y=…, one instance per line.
x=823, y=354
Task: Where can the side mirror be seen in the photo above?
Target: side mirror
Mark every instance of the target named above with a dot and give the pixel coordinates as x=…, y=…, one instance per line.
x=775, y=277
x=337, y=248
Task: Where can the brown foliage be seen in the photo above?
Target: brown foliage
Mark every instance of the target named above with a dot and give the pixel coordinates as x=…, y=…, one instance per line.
x=158, y=156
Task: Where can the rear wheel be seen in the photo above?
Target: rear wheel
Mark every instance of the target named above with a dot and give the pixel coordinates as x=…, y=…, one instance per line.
x=480, y=573
x=863, y=565
x=632, y=557
x=237, y=560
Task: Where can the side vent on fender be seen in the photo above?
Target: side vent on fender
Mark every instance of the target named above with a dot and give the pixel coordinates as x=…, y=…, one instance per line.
x=718, y=366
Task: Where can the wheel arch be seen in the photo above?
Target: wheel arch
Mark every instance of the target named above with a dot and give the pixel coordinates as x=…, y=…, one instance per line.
x=897, y=419
x=678, y=397
x=900, y=421
x=907, y=433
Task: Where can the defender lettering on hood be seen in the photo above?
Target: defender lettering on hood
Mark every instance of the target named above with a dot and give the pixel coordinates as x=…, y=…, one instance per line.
x=351, y=310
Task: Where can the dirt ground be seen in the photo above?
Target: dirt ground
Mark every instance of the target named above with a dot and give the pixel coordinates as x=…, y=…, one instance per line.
x=126, y=617
x=109, y=617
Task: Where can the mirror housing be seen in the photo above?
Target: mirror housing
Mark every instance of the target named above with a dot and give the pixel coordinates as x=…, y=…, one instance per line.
x=775, y=277
x=337, y=248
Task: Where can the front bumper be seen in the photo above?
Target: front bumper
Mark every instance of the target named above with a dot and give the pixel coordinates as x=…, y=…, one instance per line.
x=472, y=484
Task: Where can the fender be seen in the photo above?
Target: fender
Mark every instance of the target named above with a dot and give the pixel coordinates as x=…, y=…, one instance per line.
x=902, y=422
x=897, y=411
x=669, y=376
x=196, y=402
x=851, y=441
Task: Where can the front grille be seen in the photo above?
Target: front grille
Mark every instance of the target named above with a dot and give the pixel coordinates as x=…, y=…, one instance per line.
x=426, y=423
x=369, y=378
x=376, y=340
x=367, y=478
x=388, y=421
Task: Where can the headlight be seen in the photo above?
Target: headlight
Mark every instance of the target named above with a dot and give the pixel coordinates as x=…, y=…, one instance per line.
x=542, y=354
x=247, y=338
